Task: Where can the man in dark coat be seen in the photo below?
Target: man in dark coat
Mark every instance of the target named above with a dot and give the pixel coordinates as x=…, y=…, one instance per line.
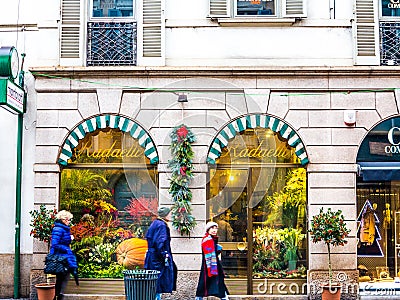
x=159, y=256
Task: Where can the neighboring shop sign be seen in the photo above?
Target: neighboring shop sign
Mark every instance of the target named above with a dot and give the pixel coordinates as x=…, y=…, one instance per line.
x=11, y=96
x=394, y=4
x=379, y=155
x=393, y=147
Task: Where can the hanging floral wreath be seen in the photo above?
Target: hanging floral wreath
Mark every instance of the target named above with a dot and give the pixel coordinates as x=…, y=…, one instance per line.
x=182, y=167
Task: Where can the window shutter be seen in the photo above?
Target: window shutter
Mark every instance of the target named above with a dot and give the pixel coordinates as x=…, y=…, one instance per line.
x=294, y=8
x=219, y=8
x=151, y=35
x=71, y=32
x=366, y=32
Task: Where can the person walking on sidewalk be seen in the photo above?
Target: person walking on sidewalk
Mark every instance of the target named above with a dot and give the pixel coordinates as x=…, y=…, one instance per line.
x=60, y=244
x=159, y=256
x=211, y=279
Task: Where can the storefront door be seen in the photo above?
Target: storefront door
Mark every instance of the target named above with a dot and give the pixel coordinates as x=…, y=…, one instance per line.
x=253, y=223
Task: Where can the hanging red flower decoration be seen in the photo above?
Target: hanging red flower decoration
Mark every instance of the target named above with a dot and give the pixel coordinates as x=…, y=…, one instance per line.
x=182, y=173
x=182, y=132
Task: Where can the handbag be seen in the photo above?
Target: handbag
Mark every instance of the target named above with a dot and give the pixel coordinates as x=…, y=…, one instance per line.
x=55, y=264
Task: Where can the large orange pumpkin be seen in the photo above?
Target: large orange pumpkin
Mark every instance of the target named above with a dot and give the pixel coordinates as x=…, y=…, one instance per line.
x=131, y=253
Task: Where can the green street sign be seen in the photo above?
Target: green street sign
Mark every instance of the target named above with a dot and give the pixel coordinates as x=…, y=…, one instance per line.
x=12, y=96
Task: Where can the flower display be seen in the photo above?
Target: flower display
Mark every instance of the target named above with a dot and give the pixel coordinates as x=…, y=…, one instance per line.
x=291, y=238
x=273, y=248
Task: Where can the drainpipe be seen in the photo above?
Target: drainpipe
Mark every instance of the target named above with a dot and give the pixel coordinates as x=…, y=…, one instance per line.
x=17, y=246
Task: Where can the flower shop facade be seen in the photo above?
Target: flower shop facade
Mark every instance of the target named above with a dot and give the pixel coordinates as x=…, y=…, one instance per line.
x=270, y=148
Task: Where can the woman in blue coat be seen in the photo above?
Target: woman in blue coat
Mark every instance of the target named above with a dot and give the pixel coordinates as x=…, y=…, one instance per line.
x=159, y=256
x=60, y=244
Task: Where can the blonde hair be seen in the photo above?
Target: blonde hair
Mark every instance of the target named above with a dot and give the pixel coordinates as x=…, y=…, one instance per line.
x=64, y=214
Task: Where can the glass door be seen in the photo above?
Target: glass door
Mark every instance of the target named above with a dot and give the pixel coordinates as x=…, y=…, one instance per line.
x=262, y=224
x=228, y=206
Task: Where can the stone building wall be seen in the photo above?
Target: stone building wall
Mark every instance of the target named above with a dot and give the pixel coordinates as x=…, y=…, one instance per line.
x=311, y=101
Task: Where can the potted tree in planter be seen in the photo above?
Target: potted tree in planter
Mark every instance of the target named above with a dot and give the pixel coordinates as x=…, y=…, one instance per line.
x=42, y=223
x=329, y=227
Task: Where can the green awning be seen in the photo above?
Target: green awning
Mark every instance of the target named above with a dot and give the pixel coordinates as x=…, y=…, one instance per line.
x=108, y=121
x=253, y=121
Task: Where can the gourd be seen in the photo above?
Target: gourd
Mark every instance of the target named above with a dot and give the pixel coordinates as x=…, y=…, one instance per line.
x=131, y=253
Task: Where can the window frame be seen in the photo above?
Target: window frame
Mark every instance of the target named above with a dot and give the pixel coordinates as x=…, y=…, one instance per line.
x=277, y=8
x=110, y=19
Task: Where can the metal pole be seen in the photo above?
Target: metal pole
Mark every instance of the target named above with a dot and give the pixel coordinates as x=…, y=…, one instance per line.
x=18, y=209
x=17, y=246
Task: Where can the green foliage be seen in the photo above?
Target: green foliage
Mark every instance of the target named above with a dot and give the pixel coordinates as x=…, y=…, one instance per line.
x=83, y=247
x=291, y=238
x=102, y=254
x=42, y=222
x=79, y=190
x=284, y=205
x=182, y=173
x=267, y=254
x=329, y=227
x=88, y=270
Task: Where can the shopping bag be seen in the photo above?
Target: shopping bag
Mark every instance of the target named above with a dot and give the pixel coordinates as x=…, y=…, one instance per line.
x=55, y=264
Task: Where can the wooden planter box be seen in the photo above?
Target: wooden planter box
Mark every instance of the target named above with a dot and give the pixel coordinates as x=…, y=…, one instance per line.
x=96, y=286
x=292, y=286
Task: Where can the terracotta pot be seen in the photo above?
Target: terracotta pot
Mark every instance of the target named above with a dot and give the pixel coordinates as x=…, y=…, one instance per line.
x=45, y=291
x=331, y=292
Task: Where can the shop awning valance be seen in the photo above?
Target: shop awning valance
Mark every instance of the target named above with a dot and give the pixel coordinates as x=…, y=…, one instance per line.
x=108, y=121
x=253, y=121
x=379, y=171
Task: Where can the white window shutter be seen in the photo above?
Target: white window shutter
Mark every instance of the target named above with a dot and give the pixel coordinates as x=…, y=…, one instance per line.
x=366, y=33
x=294, y=8
x=219, y=8
x=151, y=33
x=71, y=33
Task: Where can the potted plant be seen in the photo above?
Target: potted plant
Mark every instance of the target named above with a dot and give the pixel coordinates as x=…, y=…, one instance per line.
x=330, y=228
x=291, y=238
x=42, y=222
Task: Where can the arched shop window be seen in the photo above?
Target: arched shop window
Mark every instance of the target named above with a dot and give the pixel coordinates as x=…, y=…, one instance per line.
x=110, y=185
x=257, y=195
x=378, y=202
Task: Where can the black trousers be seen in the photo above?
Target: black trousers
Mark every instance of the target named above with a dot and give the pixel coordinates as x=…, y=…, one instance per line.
x=61, y=283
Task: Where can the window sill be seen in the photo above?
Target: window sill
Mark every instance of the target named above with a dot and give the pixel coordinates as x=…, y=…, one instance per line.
x=251, y=22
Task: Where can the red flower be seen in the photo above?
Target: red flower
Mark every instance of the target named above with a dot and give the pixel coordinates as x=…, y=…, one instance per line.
x=182, y=170
x=182, y=132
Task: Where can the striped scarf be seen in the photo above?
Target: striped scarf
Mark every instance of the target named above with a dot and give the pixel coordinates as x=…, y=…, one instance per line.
x=208, y=247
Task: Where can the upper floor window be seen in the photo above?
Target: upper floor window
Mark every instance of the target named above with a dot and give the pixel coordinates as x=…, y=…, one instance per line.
x=250, y=7
x=112, y=8
x=390, y=8
x=257, y=8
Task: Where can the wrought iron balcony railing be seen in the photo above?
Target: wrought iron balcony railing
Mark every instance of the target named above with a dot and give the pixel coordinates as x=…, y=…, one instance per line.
x=111, y=43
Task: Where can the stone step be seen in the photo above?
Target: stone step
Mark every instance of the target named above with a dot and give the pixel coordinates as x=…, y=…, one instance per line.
x=168, y=297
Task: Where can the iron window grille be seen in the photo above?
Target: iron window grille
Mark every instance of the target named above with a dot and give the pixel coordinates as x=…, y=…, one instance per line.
x=390, y=43
x=111, y=44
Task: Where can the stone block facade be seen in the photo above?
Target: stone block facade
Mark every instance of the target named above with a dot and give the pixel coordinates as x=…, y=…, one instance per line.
x=305, y=102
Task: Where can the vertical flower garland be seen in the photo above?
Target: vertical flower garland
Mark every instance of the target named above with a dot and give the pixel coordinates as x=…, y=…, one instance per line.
x=181, y=167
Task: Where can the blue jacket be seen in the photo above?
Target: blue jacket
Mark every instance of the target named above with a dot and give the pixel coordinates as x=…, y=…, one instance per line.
x=158, y=241
x=60, y=243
